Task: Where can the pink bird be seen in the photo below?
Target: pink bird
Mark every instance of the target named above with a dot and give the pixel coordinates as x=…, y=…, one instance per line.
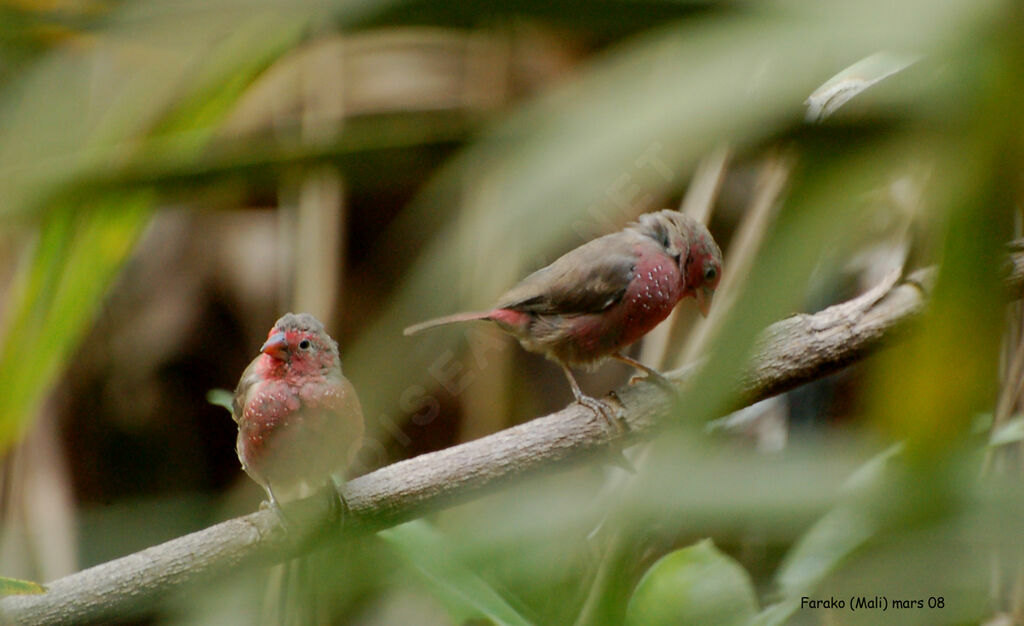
x=599, y=298
x=299, y=418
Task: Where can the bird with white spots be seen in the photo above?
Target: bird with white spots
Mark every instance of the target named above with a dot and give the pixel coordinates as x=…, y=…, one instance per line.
x=599, y=298
x=299, y=419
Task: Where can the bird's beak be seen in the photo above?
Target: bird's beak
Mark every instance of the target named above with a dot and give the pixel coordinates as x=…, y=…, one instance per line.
x=276, y=346
x=704, y=300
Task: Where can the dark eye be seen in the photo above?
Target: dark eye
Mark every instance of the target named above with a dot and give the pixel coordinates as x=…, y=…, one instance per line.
x=710, y=273
x=304, y=344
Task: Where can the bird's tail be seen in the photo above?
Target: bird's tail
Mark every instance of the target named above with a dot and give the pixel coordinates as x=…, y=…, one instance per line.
x=304, y=590
x=448, y=319
x=288, y=601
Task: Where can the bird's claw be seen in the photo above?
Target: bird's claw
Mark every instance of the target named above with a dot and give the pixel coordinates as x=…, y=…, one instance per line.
x=602, y=411
x=339, y=506
x=651, y=375
x=276, y=508
x=615, y=456
x=657, y=379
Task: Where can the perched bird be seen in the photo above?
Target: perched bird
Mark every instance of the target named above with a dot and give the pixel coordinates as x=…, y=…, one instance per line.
x=299, y=424
x=299, y=418
x=604, y=295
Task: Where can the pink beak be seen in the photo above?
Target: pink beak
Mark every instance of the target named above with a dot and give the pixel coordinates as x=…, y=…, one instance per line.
x=704, y=301
x=276, y=346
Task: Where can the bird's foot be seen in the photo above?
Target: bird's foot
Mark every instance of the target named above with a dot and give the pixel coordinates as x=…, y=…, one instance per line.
x=656, y=378
x=339, y=506
x=616, y=456
x=603, y=411
x=273, y=505
x=651, y=375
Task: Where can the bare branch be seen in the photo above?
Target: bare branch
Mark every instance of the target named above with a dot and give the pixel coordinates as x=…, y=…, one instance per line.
x=794, y=351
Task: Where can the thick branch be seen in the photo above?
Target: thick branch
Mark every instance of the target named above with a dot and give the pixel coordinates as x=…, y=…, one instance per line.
x=794, y=351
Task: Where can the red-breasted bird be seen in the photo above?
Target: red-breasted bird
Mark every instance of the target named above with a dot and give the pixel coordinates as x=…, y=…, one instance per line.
x=602, y=296
x=299, y=419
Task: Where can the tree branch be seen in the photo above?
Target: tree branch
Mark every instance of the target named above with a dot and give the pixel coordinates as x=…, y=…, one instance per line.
x=792, y=352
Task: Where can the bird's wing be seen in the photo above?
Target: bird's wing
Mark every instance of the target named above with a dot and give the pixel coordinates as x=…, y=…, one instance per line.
x=344, y=403
x=245, y=383
x=588, y=279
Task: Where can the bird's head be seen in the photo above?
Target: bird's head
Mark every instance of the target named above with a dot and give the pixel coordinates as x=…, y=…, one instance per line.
x=703, y=267
x=299, y=343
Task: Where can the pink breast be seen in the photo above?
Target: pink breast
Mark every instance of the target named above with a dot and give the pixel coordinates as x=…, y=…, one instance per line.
x=652, y=294
x=270, y=407
x=655, y=290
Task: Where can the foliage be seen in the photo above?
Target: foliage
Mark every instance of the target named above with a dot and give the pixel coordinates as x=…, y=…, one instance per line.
x=87, y=157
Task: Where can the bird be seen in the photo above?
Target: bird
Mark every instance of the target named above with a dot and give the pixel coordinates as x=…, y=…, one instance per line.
x=299, y=419
x=299, y=426
x=597, y=299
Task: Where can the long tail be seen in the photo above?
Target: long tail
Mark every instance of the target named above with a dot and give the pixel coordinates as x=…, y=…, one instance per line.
x=288, y=600
x=299, y=592
x=448, y=319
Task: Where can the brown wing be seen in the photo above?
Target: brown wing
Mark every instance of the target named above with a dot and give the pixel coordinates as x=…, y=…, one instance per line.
x=245, y=383
x=588, y=279
x=348, y=425
x=332, y=430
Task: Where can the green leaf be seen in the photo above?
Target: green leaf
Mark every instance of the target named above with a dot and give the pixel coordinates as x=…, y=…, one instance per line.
x=77, y=252
x=837, y=535
x=695, y=585
x=463, y=593
x=841, y=531
x=1011, y=432
x=845, y=85
x=221, y=397
x=15, y=586
x=81, y=241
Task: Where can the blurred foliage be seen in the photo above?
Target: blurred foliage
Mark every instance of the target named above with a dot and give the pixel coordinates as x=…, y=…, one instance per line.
x=48, y=139
x=695, y=585
x=111, y=112
x=10, y=586
x=464, y=595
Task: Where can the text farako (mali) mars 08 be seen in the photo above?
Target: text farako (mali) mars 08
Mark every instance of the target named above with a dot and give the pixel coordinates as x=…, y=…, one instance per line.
x=878, y=603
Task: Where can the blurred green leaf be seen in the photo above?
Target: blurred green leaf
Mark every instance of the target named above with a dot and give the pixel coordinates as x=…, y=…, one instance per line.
x=366, y=145
x=222, y=398
x=1010, y=432
x=946, y=375
x=76, y=254
x=844, y=529
x=845, y=85
x=14, y=586
x=576, y=161
x=466, y=595
x=695, y=585
x=83, y=242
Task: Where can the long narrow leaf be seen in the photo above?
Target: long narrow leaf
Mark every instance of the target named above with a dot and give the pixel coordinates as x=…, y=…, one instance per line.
x=465, y=594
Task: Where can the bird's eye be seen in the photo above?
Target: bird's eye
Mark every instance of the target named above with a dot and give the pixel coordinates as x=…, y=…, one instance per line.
x=304, y=344
x=710, y=273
